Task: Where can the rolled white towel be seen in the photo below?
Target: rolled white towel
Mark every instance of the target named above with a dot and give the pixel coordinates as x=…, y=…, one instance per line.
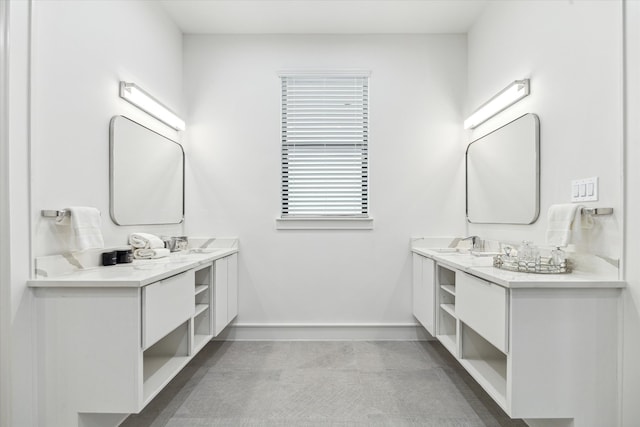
x=148, y=253
x=145, y=241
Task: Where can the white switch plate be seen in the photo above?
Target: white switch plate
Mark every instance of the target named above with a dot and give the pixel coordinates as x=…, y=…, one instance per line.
x=584, y=190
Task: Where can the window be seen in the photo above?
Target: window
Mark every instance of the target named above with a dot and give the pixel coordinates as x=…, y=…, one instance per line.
x=325, y=131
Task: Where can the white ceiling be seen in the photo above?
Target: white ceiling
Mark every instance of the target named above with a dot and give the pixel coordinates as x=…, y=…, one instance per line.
x=323, y=16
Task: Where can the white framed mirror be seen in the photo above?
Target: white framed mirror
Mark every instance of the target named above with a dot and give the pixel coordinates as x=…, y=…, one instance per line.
x=146, y=175
x=503, y=174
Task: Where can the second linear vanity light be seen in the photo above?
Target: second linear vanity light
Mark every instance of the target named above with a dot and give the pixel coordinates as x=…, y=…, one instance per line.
x=141, y=99
x=505, y=98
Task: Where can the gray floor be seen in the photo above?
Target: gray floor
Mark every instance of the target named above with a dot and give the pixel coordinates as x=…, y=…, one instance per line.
x=394, y=383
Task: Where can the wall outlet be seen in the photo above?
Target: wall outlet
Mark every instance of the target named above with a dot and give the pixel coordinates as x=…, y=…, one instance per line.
x=584, y=190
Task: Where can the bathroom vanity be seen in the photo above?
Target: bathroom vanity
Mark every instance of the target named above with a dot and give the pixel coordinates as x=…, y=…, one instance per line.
x=544, y=347
x=111, y=338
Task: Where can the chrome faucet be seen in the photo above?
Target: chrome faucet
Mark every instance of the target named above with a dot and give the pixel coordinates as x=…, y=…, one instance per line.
x=476, y=242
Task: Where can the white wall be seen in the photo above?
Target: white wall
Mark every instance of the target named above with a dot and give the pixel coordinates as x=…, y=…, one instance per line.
x=5, y=225
x=572, y=52
x=289, y=277
x=631, y=346
x=18, y=375
x=81, y=51
x=58, y=141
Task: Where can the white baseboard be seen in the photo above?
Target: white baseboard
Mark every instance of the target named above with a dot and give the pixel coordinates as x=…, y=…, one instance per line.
x=324, y=332
x=550, y=423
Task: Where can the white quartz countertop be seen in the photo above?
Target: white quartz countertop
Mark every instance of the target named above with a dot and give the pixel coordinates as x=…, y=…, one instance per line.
x=482, y=267
x=136, y=274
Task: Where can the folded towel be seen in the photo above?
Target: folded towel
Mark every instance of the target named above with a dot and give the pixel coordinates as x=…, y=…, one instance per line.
x=148, y=253
x=145, y=241
x=85, y=225
x=563, y=220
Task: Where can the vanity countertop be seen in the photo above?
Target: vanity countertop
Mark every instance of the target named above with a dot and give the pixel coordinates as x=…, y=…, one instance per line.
x=137, y=274
x=482, y=267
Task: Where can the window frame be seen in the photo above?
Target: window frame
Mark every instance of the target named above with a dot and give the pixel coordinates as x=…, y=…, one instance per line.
x=334, y=221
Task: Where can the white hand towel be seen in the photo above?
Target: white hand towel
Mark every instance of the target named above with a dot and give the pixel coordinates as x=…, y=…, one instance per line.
x=145, y=241
x=148, y=253
x=85, y=225
x=563, y=220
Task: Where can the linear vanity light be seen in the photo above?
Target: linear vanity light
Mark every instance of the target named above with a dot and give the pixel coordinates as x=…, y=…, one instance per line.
x=141, y=99
x=505, y=98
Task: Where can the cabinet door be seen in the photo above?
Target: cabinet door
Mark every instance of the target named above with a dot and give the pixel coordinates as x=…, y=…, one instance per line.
x=220, y=296
x=417, y=284
x=424, y=291
x=429, y=286
x=232, y=286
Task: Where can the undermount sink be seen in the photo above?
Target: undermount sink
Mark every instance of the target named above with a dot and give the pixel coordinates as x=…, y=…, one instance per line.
x=461, y=251
x=206, y=250
x=449, y=250
x=483, y=253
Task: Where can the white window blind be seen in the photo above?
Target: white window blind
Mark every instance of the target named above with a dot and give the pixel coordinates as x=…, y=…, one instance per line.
x=325, y=127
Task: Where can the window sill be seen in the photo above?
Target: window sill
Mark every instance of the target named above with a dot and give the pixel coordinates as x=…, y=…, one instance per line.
x=324, y=223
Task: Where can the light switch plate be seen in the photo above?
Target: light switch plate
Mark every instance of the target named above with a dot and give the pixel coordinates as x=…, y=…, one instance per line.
x=584, y=190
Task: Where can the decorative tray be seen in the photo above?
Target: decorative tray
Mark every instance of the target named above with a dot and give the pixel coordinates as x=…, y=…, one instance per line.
x=544, y=266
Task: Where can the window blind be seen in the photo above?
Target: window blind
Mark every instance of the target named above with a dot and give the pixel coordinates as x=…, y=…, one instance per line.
x=325, y=127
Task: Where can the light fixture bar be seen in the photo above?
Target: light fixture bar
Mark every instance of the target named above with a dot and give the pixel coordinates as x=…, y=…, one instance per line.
x=141, y=99
x=504, y=99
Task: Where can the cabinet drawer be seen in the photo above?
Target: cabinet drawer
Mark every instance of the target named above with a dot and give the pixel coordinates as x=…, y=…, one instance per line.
x=165, y=305
x=482, y=306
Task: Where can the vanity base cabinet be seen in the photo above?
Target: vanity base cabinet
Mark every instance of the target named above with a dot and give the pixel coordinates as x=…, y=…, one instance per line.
x=424, y=292
x=545, y=352
x=559, y=360
x=104, y=352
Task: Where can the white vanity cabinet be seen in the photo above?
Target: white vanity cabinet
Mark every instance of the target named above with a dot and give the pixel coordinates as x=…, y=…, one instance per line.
x=424, y=291
x=544, y=348
x=111, y=338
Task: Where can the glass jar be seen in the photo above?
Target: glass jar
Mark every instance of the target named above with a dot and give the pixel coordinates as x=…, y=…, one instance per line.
x=558, y=257
x=528, y=255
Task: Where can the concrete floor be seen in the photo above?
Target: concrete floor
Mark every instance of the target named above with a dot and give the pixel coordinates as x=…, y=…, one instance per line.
x=338, y=383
